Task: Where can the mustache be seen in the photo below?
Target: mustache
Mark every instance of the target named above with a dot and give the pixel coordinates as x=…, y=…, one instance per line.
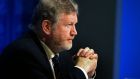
x=71, y=38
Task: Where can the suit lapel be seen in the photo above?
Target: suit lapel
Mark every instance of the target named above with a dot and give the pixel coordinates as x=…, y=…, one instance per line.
x=41, y=55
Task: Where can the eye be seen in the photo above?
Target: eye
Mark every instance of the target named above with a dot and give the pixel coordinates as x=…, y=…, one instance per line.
x=68, y=25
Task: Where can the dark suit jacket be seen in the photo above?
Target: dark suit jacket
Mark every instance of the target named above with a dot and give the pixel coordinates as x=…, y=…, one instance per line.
x=26, y=59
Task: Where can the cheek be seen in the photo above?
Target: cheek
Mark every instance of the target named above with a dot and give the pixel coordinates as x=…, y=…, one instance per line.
x=61, y=34
x=65, y=34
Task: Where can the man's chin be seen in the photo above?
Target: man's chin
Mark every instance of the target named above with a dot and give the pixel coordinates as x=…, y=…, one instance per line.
x=68, y=47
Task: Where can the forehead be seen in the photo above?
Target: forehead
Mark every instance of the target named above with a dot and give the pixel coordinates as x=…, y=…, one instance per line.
x=71, y=17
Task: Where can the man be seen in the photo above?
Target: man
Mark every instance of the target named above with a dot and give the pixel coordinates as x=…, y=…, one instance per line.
x=52, y=31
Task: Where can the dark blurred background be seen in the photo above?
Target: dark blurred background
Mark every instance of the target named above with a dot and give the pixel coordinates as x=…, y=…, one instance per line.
x=96, y=30
x=111, y=27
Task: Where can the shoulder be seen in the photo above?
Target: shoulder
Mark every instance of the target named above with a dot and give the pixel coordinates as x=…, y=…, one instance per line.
x=20, y=45
x=26, y=44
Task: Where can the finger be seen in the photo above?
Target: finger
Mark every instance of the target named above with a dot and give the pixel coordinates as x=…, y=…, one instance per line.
x=92, y=51
x=81, y=49
x=93, y=56
x=89, y=53
x=90, y=56
x=84, y=52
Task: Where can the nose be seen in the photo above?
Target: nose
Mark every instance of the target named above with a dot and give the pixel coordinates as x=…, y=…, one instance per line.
x=74, y=31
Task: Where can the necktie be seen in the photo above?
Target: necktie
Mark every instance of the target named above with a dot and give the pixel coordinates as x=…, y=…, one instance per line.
x=55, y=61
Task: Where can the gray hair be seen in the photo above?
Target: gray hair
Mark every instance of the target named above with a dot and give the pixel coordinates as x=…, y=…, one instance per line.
x=50, y=10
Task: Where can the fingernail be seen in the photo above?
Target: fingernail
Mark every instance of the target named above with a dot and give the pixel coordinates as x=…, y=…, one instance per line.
x=86, y=49
x=92, y=50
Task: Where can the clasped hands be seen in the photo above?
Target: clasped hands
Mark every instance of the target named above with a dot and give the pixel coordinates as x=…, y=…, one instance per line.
x=87, y=59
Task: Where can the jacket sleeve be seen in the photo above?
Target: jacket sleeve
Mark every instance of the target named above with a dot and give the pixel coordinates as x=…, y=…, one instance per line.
x=68, y=69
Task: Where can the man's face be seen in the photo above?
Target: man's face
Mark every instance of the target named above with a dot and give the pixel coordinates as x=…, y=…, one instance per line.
x=64, y=31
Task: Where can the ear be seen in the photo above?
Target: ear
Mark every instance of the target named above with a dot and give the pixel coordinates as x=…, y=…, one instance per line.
x=46, y=27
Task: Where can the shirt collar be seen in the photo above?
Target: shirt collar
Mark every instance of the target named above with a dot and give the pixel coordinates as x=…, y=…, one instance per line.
x=48, y=51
